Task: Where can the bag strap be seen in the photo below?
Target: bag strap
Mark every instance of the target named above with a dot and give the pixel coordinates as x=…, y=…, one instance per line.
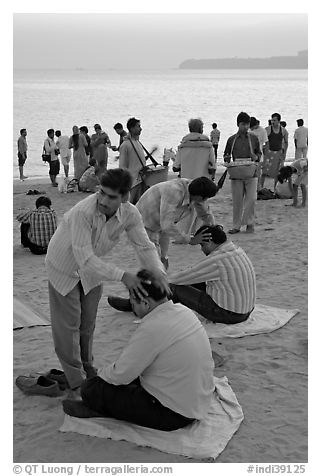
x=149, y=155
x=250, y=144
x=140, y=160
x=43, y=148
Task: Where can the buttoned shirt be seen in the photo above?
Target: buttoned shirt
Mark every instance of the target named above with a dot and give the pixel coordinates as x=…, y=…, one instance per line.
x=261, y=134
x=128, y=158
x=43, y=224
x=84, y=235
x=165, y=204
x=50, y=147
x=241, y=148
x=229, y=276
x=171, y=354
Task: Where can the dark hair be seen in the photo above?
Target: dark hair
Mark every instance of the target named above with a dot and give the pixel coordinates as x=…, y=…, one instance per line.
x=277, y=115
x=49, y=131
x=92, y=161
x=22, y=130
x=300, y=122
x=119, y=180
x=216, y=231
x=153, y=291
x=243, y=117
x=214, y=125
x=118, y=125
x=253, y=121
x=43, y=202
x=202, y=186
x=58, y=133
x=132, y=121
x=284, y=173
x=269, y=122
x=75, y=141
x=283, y=123
x=84, y=129
x=195, y=125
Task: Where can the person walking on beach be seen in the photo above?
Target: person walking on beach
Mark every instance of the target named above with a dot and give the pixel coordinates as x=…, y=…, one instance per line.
x=195, y=155
x=51, y=149
x=132, y=157
x=276, y=149
x=243, y=145
x=65, y=153
x=122, y=133
x=215, y=138
x=301, y=140
x=22, y=152
x=166, y=204
x=99, y=143
x=38, y=226
x=261, y=134
x=76, y=268
x=78, y=143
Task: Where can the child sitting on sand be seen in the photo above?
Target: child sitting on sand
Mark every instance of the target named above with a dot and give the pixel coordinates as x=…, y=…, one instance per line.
x=300, y=169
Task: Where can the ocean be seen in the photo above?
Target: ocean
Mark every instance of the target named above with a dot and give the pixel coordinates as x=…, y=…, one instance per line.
x=164, y=101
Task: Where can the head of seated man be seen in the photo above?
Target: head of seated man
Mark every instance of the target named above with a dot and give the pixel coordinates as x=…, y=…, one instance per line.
x=43, y=202
x=217, y=237
x=201, y=188
x=155, y=296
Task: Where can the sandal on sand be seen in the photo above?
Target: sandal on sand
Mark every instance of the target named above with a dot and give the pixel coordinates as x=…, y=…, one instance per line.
x=38, y=386
x=56, y=375
x=78, y=409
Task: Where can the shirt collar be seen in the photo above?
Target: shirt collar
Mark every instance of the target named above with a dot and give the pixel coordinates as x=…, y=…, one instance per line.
x=118, y=215
x=160, y=309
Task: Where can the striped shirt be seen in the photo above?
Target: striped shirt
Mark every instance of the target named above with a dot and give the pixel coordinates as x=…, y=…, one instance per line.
x=171, y=354
x=165, y=204
x=128, y=158
x=229, y=276
x=84, y=236
x=43, y=224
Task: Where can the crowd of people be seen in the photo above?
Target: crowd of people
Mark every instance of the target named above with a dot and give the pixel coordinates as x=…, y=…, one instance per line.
x=163, y=379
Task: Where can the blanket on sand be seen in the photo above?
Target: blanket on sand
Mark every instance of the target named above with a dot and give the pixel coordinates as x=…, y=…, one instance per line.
x=202, y=439
x=24, y=316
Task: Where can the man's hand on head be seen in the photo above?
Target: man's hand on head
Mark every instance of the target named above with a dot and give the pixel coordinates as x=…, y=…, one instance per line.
x=134, y=285
x=202, y=237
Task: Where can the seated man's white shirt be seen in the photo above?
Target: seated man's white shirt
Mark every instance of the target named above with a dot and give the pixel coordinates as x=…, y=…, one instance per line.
x=171, y=353
x=229, y=276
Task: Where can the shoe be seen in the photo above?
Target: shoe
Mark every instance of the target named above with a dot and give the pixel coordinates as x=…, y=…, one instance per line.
x=120, y=304
x=233, y=231
x=59, y=377
x=78, y=409
x=165, y=263
x=38, y=386
x=250, y=229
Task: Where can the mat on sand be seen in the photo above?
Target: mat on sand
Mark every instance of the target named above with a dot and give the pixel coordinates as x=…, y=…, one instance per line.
x=203, y=439
x=24, y=316
x=262, y=320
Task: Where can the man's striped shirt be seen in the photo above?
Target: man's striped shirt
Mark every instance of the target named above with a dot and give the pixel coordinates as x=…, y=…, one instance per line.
x=229, y=276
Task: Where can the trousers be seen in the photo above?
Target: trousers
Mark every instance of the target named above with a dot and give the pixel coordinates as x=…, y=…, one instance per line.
x=244, y=198
x=33, y=247
x=73, y=319
x=130, y=403
x=195, y=297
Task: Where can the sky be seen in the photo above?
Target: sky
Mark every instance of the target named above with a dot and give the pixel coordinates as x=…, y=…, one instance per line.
x=151, y=40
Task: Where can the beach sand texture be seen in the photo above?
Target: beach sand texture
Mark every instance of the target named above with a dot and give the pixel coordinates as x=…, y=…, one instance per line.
x=267, y=372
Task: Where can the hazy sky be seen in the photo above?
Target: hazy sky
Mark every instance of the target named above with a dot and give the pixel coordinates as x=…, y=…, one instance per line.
x=150, y=41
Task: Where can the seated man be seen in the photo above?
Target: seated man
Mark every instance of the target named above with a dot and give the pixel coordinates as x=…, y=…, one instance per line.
x=221, y=287
x=166, y=204
x=38, y=226
x=88, y=181
x=163, y=379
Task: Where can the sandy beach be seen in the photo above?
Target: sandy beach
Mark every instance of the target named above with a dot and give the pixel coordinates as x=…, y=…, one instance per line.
x=267, y=372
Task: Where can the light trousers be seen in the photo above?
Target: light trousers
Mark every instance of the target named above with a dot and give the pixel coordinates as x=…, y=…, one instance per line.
x=73, y=319
x=301, y=152
x=244, y=198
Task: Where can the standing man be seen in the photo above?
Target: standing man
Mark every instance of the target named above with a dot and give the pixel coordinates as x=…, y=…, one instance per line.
x=76, y=270
x=52, y=149
x=22, y=152
x=65, y=153
x=301, y=140
x=165, y=204
x=99, y=143
x=215, y=138
x=243, y=145
x=261, y=134
x=122, y=133
x=132, y=157
x=275, y=153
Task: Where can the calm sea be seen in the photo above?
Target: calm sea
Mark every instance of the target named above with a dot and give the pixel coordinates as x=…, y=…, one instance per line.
x=162, y=100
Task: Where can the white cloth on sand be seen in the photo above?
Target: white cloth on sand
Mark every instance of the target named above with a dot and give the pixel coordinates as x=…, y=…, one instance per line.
x=263, y=319
x=24, y=316
x=203, y=439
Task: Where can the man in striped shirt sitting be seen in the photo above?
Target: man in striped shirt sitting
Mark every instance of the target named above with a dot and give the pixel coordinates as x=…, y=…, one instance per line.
x=222, y=286
x=38, y=226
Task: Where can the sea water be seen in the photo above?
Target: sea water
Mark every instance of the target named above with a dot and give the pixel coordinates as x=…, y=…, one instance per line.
x=164, y=101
